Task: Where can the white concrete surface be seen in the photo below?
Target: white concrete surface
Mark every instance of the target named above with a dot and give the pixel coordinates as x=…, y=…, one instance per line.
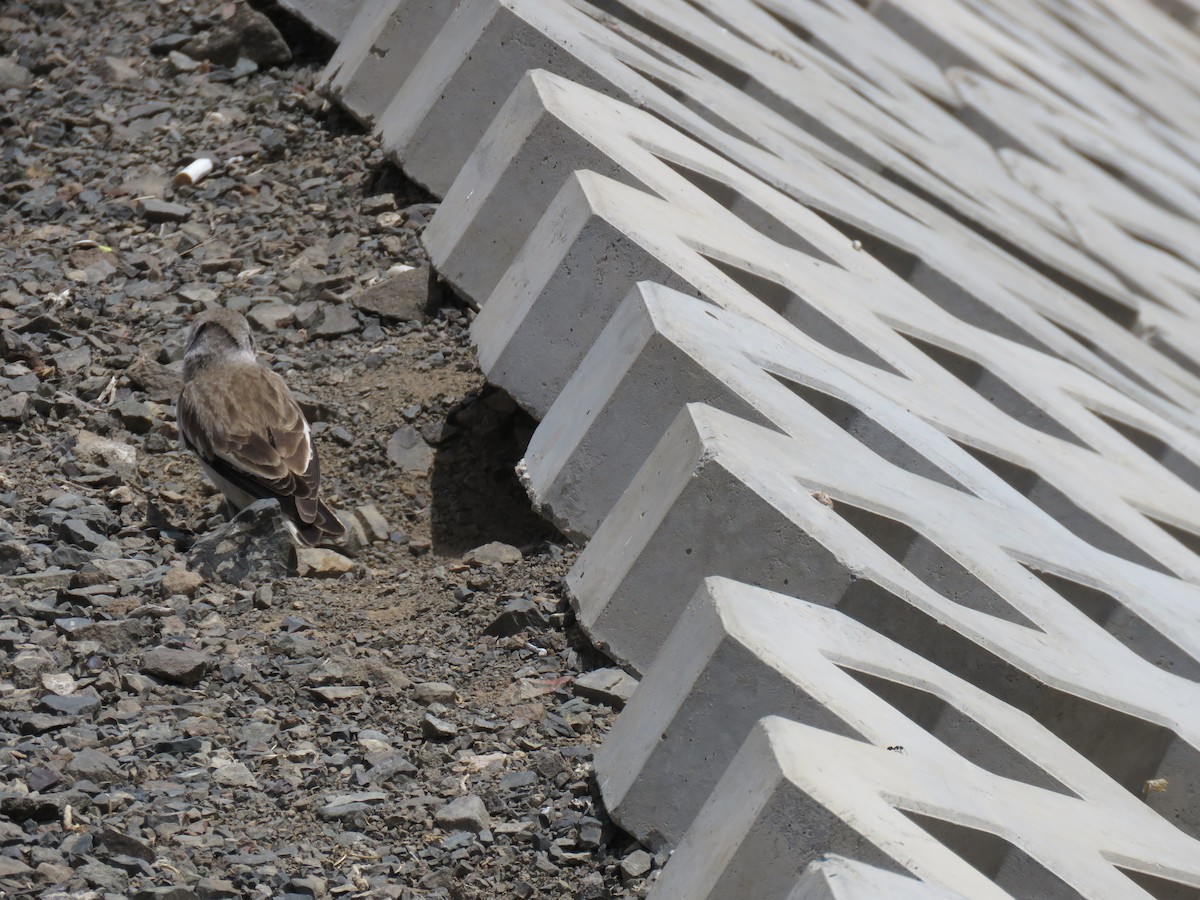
x=864, y=338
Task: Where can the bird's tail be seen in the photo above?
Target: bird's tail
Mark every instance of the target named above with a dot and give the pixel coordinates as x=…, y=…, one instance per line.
x=325, y=526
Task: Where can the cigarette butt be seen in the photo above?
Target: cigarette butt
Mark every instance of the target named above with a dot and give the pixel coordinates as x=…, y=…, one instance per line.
x=195, y=171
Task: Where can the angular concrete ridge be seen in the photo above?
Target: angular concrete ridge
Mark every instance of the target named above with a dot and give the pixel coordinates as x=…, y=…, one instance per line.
x=863, y=338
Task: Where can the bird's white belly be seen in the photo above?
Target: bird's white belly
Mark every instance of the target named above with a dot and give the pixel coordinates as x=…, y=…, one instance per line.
x=234, y=494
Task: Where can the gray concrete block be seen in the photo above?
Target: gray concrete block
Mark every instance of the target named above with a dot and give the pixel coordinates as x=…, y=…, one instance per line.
x=820, y=667
x=462, y=102
x=383, y=47
x=932, y=271
x=595, y=222
x=332, y=18
x=720, y=496
x=506, y=184
x=792, y=788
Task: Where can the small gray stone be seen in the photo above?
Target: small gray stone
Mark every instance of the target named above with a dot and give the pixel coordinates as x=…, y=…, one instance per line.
x=335, y=693
x=125, y=844
x=136, y=683
x=40, y=808
x=115, y=69
x=216, y=889
x=42, y=777
x=408, y=450
x=178, y=580
x=464, y=814
x=9, y=866
x=12, y=555
x=343, y=805
x=94, y=766
x=401, y=298
x=591, y=831
x=105, y=453
x=73, y=359
x=78, y=534
x=115, y=635
x=186, y=667
x=182, y=63
x=493, y=554
x=390, y=765
x=154, y=210
x=245, y=34
x=106, y=878
x=636, y=864
x=166, y=892
x=436, y=729
x=434, y=692
x=54, y=873
x=338, y=320
x=318, y=562
x=118, y=569
x=380, y=203
x=234, y=774
x=135, y=415
x=373, y=522
x=517, y=615
x=72, y=705
x=13, y=74
x=158, y=381
x=16, y=408
x=270, y=316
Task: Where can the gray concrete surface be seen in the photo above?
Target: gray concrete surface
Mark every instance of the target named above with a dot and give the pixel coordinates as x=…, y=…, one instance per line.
x=864, y=342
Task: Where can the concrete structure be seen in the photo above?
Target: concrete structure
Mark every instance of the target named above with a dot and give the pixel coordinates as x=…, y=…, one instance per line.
x=863, y=338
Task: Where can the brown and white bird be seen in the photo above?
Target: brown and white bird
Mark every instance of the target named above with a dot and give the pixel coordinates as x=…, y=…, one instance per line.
x=245, y=426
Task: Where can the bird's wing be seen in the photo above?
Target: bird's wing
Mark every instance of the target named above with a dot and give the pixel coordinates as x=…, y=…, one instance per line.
x=245, y=424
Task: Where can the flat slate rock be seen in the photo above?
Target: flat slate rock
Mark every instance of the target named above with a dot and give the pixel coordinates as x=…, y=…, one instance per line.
x=154, y=210
x=186, y=667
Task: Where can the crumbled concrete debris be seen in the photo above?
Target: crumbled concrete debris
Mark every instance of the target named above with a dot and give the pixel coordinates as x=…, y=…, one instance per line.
x=608, y=685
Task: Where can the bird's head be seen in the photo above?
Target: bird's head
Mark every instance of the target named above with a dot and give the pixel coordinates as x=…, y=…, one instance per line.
x=217, y=334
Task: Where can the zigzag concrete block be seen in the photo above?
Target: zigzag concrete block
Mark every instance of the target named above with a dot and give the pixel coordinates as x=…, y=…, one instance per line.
x=507, y=185
x=792, y=787
x=932, y=269
x=466, y=75
x=932, y=568
x=819, y=667
x=595, y=222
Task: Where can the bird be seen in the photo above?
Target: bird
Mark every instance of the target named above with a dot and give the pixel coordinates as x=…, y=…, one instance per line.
x=246, y=428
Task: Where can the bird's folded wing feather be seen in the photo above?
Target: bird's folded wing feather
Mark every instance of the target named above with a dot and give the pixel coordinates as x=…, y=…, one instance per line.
x=243, y=421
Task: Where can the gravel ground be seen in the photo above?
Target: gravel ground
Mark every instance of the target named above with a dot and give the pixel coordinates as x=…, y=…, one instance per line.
x=402, y=720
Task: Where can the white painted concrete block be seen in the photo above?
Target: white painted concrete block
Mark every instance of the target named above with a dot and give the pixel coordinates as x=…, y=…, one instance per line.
x=792, y=787
x=921, y=565
x=740, y=653
x=455, y=102
x=890, y=309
